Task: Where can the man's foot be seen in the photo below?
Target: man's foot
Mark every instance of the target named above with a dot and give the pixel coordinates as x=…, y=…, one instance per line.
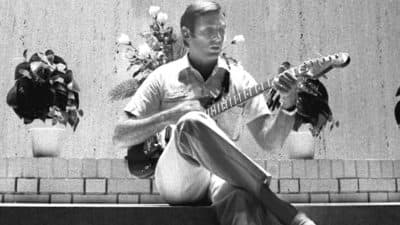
x=302, y=219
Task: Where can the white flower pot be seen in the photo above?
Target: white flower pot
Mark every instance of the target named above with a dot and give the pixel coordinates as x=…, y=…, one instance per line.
x=300, y=145
x=46, y=141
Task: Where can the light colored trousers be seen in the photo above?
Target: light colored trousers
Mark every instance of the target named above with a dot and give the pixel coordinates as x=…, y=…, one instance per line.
x=201, y=160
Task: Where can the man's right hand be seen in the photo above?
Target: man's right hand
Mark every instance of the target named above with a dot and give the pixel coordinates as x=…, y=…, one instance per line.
x=176, y=112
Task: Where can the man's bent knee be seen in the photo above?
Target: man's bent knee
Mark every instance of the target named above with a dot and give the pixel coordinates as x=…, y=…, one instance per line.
x=194, y=117
x=193, y=124
x=187, y=133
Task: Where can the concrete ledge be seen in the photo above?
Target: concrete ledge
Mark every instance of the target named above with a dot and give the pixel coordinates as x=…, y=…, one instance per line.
x=161, y=214
x=353, y=213
x=105, y=214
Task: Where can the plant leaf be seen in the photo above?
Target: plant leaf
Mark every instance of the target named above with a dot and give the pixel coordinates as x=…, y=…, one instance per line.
x=124, y=90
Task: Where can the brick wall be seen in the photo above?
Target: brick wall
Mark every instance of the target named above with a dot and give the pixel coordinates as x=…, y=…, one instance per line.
x=57, y=180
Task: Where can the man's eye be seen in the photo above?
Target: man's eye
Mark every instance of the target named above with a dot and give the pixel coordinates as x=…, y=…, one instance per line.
x=209, y=32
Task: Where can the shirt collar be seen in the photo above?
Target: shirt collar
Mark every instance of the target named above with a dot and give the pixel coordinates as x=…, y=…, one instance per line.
x=221, y=64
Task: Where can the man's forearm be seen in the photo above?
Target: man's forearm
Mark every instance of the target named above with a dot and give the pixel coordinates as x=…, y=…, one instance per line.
x=270, y=131
x=279, y=129
x=133, y=131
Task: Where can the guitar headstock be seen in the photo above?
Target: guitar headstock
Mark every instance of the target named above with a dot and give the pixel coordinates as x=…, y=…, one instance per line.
x=315, y=68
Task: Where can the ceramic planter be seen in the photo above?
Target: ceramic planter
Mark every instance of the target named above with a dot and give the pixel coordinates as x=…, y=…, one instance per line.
x=300, y=145
x=47, y=141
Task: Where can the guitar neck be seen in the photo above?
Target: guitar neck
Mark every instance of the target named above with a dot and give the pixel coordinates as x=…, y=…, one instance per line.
x=312, y=68
x=240, y=97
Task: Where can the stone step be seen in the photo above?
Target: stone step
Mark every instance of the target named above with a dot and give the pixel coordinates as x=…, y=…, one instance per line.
x=353, y=213
x=105, y=214
x=160, y=214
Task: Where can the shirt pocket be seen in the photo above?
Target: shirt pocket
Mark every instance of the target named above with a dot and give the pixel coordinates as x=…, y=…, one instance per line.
x=176, y=94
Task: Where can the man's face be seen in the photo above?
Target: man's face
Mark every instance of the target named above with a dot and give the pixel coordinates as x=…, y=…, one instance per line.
x=208, y=36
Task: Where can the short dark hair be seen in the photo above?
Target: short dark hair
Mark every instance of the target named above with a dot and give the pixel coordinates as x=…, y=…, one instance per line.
x=197, y=9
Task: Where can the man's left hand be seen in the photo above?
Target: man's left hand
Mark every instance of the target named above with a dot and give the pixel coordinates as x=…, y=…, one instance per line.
x=286, y=84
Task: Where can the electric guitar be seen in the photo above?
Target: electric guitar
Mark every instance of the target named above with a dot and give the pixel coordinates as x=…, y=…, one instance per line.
x=142, y=158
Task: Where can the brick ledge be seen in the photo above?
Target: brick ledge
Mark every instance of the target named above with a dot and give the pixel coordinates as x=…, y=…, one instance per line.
x=58, y=180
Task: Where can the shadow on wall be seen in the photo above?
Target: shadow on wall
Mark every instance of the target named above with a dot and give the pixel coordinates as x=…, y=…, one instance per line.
x=397, y=109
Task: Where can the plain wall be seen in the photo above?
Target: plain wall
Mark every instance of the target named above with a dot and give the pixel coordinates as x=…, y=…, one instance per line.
x=362, y=95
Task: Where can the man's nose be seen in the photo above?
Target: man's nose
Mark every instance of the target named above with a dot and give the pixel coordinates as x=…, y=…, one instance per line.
x=218, y=36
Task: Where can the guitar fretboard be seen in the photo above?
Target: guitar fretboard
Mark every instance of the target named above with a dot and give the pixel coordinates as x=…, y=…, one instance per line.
x=238, y=98
x=318, y=66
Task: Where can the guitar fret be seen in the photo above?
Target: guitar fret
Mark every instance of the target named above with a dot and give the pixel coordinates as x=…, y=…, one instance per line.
x=217, y=106
x=259, y=88
x=247, y=93
x=255, y=90
x=236, y=98
x=212, y=110
x=224, y=105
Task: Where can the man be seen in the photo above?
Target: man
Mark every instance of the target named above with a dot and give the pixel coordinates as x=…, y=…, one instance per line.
x=201, y=161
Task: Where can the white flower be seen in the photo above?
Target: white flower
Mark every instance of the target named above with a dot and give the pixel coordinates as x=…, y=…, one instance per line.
x=124, y=39
x=162, y=17
x=153, y=10
x=129, y=53
x=144, y=50
x=238, y=39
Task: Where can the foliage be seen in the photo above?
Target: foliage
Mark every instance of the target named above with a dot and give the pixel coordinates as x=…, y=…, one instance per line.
x=48, y=93
x=156, y=50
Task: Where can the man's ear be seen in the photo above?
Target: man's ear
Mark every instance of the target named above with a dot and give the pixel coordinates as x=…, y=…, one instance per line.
x=185, y=32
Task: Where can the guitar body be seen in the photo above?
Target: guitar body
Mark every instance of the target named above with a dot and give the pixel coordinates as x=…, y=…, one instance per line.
x=142, y=158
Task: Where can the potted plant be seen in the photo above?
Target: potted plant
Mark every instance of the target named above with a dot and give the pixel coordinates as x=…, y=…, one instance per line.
x=159, y=47
x=312, y=114
x=45, y=91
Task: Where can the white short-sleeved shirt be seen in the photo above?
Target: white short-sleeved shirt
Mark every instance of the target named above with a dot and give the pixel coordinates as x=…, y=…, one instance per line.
x=178, y=81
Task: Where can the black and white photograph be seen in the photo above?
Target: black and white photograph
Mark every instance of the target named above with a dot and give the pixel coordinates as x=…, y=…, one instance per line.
x=195, y=112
